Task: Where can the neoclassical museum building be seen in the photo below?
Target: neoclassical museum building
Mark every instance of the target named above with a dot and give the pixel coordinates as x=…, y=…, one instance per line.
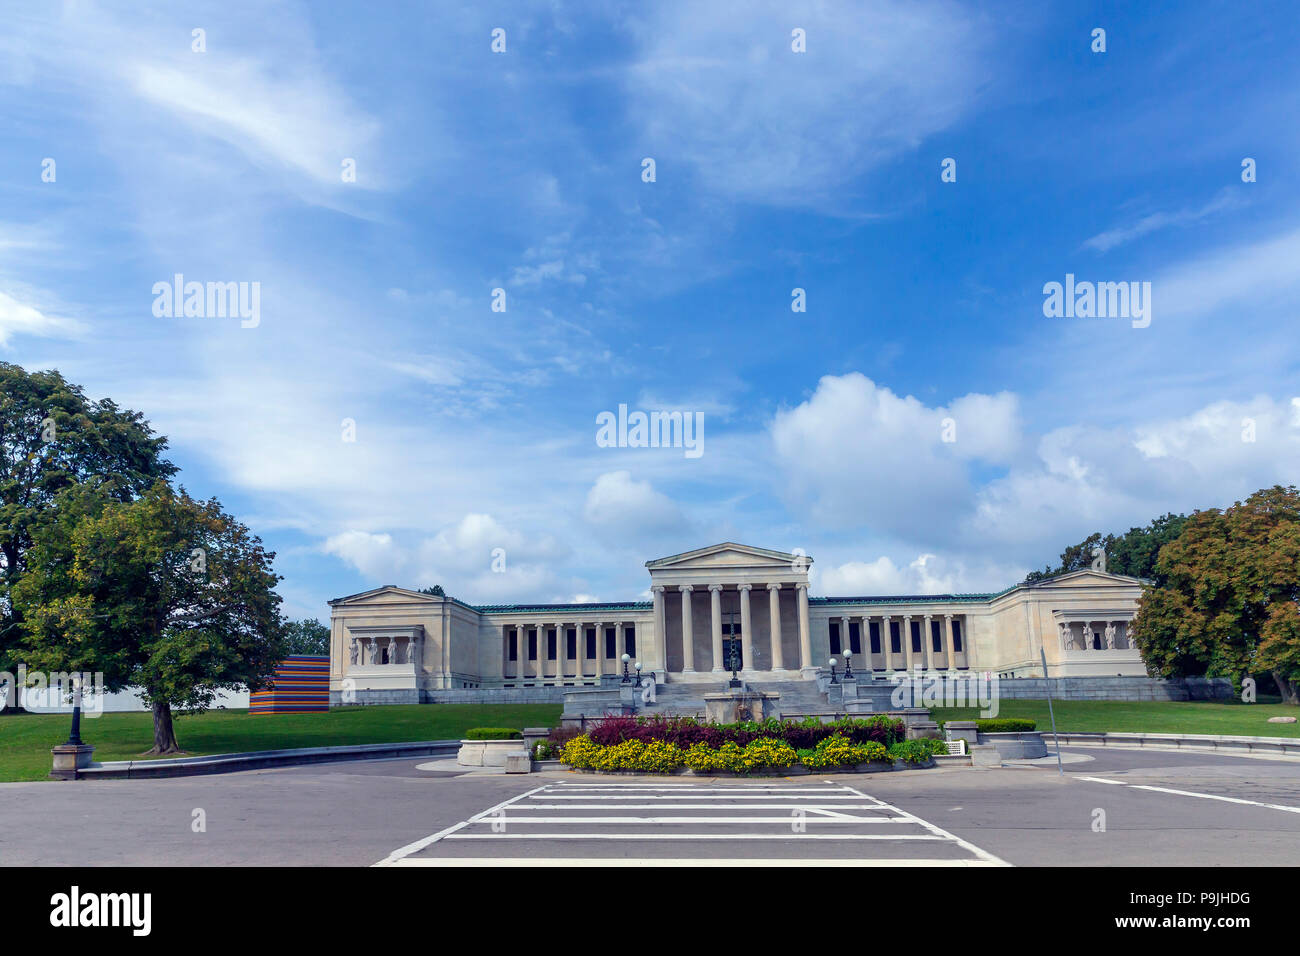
x=718, y=605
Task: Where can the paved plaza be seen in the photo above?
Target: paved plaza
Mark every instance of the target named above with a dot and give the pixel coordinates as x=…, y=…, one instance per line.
x=1109, y=808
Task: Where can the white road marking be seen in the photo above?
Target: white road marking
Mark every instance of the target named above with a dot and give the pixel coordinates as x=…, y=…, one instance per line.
x=730, y=806
x=419, y=845
x=693, y=863
x=1215, y=796
x=1190, y=793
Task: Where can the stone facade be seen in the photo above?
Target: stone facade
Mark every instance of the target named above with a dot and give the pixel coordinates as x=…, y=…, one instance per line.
x=714, y=606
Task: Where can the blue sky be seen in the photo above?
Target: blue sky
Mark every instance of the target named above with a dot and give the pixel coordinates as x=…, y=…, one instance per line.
x=775, y=170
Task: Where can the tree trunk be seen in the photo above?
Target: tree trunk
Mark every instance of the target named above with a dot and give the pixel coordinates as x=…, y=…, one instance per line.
x=164, y=736
x=1289, y=689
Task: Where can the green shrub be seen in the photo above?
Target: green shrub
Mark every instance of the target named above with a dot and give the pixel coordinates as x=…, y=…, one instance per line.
x=493, y=733
x=911, y=751
x=1004, y=725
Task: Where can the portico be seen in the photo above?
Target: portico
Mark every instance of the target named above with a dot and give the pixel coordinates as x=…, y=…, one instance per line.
x=705, y=599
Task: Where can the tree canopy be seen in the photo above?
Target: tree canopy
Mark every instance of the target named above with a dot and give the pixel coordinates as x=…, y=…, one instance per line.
x=1228, y=599
x=1133, y=553
x=164, y=593
x=306, y=636
x=51, y=438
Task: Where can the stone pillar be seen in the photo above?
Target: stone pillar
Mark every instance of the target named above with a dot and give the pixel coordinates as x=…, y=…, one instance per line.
x=715, y=625
x=688, y=635
x=661, y=628
x=927, y=643
x=582, y=651
x=947, y=642
x=774, y=607
x=600, y=652
x=905, y=641
x=746, y=638
x=846, y=646
x=886, y=644
x=805, y=633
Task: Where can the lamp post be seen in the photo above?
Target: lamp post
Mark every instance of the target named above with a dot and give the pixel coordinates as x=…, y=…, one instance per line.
x=848, y=665
x=834, y=679
x=627, y=678
x=637, y=668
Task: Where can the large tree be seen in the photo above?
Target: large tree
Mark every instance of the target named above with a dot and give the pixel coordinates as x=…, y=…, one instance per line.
x=1228, y=604
x=1133, y=553
x=307, y=636
x=51, y=437
x=164, y=593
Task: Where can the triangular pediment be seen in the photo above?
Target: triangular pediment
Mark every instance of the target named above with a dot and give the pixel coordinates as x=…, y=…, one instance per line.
x=388, y=594
x=728, y=555
x=1085, y=578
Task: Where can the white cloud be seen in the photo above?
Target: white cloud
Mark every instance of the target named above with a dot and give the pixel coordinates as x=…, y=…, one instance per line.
x=718, y=85
x=855, y=453
x=19, y=318
x=617, y=502
x=1119, y=235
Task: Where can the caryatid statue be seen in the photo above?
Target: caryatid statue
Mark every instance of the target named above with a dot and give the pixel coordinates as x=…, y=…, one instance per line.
x=1067, y=637
x=352, y=653
x=1110, y=635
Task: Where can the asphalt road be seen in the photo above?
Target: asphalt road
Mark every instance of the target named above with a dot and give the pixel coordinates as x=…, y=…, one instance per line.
x=1117, y=808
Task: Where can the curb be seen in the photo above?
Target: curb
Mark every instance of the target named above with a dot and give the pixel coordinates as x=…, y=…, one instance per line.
x=254, y=760
x=1269, y=746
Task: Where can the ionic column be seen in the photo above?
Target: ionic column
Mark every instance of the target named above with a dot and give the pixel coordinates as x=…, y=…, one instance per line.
x=927, y=642
x=505, y=654
x=887, y=643
x=845, y=643
x=600, y=652
x=947, y=642
x=805, y=633
x=715, y=621
x=774, y=607
x=560, y=631
x=905, y=632
x=688, y=636
x=746, y=639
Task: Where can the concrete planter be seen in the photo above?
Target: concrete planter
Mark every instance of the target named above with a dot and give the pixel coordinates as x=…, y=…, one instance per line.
x=1025, y=745
x=487, y=753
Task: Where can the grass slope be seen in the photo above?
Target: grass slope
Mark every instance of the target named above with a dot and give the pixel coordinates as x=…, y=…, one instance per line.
x=1145, y=717
x=26, y=739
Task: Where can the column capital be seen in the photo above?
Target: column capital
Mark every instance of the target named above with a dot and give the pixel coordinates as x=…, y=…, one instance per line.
x=715, y=587
x=929, y=616
x=774, y=587
x=658, y=588
x=907, y=617
x=947, y=617
x=686, y=588
x=801, y=586
x=744, y=587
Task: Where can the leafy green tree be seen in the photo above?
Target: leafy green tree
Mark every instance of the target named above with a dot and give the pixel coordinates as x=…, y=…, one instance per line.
x=1229, y=601
x=307, y=636
x=51, y=437
x=436, y=591
x=164, y=593
x=1133, y=553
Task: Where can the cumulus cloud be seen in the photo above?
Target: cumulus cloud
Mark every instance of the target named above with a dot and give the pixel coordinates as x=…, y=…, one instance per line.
x=856, y=453
x=617, y=502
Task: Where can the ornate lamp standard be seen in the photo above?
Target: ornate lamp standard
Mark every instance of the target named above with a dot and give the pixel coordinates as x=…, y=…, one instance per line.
x=848, y=665
x=627, y=678
x=733, y=662
x=834, y=679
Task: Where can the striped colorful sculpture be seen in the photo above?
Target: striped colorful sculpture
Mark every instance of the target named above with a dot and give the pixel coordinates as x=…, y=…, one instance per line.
x=301, y=686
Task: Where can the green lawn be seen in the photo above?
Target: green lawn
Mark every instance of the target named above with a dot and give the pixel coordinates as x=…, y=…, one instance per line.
x=26, y=739
x=1152, y=717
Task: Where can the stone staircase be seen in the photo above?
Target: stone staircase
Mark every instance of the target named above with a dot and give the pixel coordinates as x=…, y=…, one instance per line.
x=798, y=697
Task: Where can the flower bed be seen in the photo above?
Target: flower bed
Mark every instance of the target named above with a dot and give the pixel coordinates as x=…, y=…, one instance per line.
x=628, y=744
